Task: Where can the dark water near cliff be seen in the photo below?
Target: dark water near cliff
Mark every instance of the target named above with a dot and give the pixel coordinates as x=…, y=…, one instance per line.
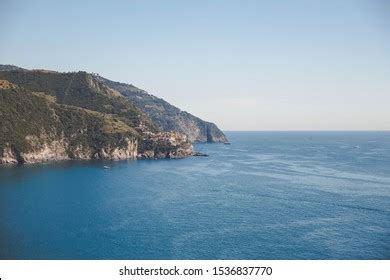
x=269, y=195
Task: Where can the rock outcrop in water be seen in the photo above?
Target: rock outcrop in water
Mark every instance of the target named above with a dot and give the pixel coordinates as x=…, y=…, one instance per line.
x=47, y=116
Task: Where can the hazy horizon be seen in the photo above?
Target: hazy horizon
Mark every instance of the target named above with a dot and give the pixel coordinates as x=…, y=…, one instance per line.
x=244, y=65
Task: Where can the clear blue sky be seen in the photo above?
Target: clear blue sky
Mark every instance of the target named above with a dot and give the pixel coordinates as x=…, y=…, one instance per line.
x=246, y=65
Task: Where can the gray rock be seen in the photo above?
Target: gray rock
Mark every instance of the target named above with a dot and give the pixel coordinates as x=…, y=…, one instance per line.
x=168, y=117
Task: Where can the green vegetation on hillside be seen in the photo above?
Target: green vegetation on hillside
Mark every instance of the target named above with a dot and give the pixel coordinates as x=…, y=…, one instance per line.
x=23, y=113
x=79, y=89
x=48, y=115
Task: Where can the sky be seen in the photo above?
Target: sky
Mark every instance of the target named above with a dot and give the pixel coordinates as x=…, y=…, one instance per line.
x=245, y=65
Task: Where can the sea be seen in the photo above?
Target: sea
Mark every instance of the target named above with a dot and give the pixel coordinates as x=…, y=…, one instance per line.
x=267, y=195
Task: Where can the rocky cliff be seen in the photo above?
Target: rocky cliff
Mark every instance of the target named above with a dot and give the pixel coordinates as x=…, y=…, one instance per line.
x=163, y=115
x=34, y=128
x=168, y=117
x=47, y=116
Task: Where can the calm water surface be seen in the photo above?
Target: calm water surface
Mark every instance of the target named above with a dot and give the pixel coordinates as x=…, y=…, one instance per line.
x=268, y=195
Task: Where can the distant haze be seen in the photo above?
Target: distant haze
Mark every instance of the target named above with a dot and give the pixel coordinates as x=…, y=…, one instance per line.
x=245, y=65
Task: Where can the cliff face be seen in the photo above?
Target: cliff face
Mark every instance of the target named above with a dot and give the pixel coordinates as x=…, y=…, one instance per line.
x=34, y=128
x=46, y=116
x=56, y=150
x=168, y=117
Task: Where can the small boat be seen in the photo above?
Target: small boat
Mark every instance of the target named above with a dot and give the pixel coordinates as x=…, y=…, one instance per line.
x=226, y=143
x=106, y=167
x=199, y=154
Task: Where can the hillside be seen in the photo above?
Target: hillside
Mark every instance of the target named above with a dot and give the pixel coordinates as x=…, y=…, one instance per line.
x=163, y=115
x=8, y=67
x=46, y=115
x=79, y=89
x=168, y=117
x=35, y=128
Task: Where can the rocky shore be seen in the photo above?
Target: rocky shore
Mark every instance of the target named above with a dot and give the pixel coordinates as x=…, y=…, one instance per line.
x=160, y=145
x=53, y=116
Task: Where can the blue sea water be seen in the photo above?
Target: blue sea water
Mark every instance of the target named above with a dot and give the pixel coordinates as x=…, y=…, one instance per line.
x=268, y=195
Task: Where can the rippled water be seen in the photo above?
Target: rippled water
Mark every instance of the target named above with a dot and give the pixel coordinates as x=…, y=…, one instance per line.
x=268, y=195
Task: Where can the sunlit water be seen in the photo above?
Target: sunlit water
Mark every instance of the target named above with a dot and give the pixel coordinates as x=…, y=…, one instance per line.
x=268, y=195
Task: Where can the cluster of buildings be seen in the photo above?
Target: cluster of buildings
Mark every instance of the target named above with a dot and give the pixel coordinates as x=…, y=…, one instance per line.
x=172, y=137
